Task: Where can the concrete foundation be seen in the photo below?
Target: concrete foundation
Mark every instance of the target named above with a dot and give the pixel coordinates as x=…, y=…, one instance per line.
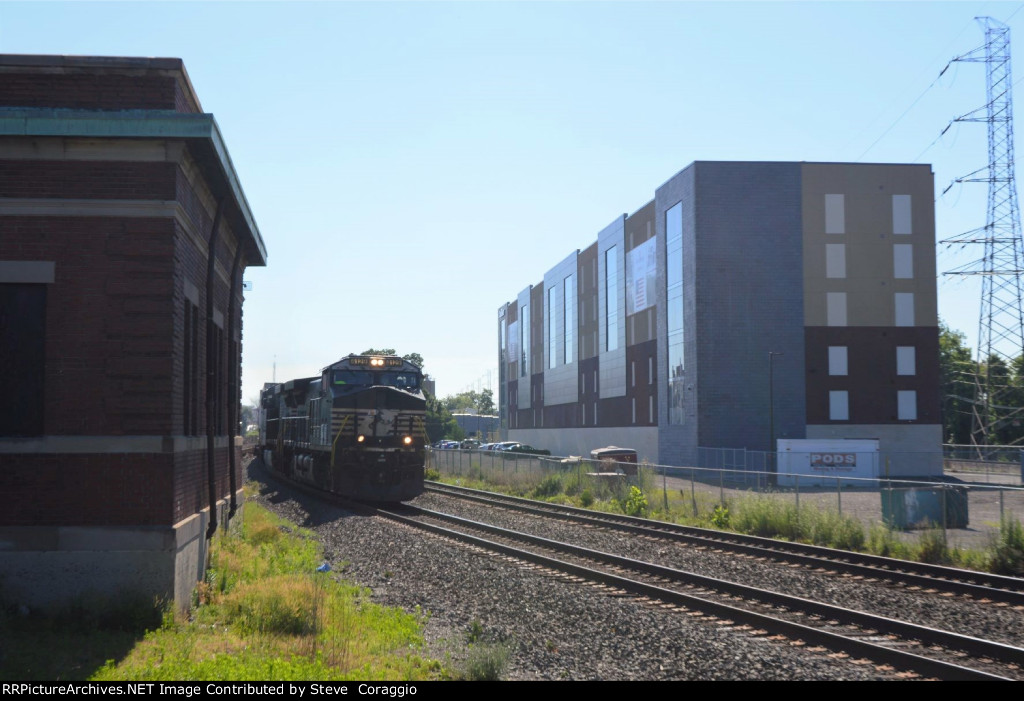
x=45, y=567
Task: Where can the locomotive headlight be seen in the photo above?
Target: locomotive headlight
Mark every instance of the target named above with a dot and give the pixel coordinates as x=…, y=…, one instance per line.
x=407, y=440
x=360, y=439
x=376, y=361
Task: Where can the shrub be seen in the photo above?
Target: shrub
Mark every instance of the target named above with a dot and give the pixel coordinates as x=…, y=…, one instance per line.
x=767, y=517
x=1007, y=550
x=486, y=662
x=636, y=503
x=548, y=487
x=883, y=541
x=432, y=474
x=932, y=547
x=720, y=517
x=586, y=499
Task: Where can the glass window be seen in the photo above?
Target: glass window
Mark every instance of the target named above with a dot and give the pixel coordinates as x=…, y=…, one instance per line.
x=903, y=260
x=568, y=295
x=674, y=311
x=901, y=223
x=906, y=360
x=835, y=260
x=835, y=214
x=402, y=380
x=359, y=378
x=552, y=339
x=837, y=360
x=839, y=405
x=611, y=297
x=22, y=358
x=836, y=308
x=907, y=405
x=904, y=309
x=524, y=340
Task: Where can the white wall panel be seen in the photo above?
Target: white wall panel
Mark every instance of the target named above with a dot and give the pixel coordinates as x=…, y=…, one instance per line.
x=835, y=215
x=901, y=221
x=561, y=385
x=903, y=261
x=612, y=364
x=836, y=302
x=835, y=260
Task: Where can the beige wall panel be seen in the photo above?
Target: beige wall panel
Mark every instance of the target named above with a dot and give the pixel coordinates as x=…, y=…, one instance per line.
x=869, y=237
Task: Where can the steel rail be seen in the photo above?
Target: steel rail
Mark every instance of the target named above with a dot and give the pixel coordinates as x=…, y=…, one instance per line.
x=982, y=585
x=850, y=645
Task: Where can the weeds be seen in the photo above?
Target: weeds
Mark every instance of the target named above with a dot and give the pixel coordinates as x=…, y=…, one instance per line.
x=1007, y=549
x=267, y=614
x=548, y=487
x=932, y=547
x=475, y=633
x=766, y=515
x=636, y=503
x=486, y=660
x=882, y=540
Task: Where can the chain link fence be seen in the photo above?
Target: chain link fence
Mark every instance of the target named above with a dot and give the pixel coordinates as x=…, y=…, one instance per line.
x=742, y=483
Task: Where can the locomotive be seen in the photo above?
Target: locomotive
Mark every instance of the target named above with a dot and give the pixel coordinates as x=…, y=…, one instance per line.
x=357, y=430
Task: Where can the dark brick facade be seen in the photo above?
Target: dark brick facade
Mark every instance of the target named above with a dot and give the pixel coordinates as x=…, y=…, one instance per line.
x=113, y=449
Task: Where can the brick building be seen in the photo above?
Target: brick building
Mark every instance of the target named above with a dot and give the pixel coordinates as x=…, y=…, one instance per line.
x=745, y=303
x=120, y=332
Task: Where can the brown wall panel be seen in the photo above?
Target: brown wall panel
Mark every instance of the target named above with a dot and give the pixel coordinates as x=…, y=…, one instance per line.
x=871, y=378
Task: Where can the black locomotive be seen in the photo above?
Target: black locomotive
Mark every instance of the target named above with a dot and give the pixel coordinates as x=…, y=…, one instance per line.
x=357, y=430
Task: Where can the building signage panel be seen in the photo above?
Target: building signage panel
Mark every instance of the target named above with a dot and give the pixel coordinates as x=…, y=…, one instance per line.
x=820, y=462
x=641, y=264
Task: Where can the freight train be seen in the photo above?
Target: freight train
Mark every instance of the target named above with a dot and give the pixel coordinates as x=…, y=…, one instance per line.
x=357, y=430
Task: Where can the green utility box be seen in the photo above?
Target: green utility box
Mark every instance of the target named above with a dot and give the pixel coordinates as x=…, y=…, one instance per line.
x=920, y=507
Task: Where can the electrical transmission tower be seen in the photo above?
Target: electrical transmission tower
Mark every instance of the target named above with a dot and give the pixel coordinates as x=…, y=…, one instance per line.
x=1001, y=325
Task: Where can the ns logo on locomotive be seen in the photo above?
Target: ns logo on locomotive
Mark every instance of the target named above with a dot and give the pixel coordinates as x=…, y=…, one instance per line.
x=357, y=430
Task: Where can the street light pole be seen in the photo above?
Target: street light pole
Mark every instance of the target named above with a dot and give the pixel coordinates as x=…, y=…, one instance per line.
x=771, y=405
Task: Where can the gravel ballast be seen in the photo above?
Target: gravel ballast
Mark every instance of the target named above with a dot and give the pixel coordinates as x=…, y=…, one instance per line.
x=954, y=613
x=553, y=629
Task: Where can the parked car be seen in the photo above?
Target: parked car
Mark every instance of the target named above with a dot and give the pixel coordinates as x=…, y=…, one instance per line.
x=527, y=449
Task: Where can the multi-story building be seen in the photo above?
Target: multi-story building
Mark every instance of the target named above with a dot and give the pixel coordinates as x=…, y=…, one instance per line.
x=124, y=233
x=745, y=303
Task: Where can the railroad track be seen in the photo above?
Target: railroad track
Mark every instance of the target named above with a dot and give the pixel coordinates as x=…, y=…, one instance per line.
x=891, y=643
x=981, y=586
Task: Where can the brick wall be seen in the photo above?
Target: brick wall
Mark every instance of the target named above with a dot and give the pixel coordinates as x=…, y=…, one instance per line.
x=87, y=179
x=86, y=490
x=94, y=92
x=107, y=320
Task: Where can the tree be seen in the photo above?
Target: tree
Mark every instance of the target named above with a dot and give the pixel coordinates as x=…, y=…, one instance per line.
x=441, y=423
x=471, y=401
x=956, y=378
x=486, y=404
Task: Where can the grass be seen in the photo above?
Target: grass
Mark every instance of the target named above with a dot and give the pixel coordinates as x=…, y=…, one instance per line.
x=762, y=514
x=486, y=660
x=1008, y=549
x=263, y=613
x=70, y=644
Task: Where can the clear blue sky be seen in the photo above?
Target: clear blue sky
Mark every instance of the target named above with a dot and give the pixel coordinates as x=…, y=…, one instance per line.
x=389, y=151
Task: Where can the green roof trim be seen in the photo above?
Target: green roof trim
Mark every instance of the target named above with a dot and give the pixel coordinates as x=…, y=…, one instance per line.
x=134, y=124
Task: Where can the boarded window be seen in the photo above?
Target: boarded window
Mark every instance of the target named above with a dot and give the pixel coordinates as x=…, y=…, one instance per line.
x=22, y=358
